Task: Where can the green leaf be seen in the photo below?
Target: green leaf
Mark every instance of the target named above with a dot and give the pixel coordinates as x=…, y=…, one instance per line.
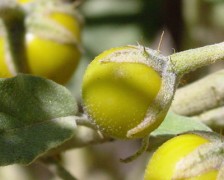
x=172, y=125
x=175, y=124
x=35, y=116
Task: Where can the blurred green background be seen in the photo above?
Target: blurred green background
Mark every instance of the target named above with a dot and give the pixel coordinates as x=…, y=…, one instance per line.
x=110, y=23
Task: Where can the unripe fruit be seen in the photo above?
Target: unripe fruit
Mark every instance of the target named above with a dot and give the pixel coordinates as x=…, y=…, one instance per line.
x=116, y=95
x=46, y=57
x=24, y=1
x=51, y=59
x=4, y=70
x=163, y=162
x=69, y=22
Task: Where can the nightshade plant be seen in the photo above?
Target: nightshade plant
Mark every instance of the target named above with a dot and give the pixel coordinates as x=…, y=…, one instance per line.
x=127, y=91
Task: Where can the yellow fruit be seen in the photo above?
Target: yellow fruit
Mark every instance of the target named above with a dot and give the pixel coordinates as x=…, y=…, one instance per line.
x=49, y=58
x=116, y=95
x=68, y=22
x=162, y=164
x=24, y=1
x=4, y=67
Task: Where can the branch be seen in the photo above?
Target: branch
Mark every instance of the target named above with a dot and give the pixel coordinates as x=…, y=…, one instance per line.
x=83, y=137
x=186, y=61
x=213, y=118
x=200, y=96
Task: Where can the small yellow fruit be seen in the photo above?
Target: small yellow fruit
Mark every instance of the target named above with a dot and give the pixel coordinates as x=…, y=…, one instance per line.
x=46, y=57
x=116, y=95
x=162, y=164
x=69, y=22
x=51, y=59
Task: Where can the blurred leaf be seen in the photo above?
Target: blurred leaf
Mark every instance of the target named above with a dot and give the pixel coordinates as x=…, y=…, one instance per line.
x=108, y=36
x=35, y=116
x=175, y=124
x=99, y=8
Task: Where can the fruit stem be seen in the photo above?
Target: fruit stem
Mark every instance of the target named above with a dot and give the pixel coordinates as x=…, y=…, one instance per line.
x=13, y=24
x=186, y=61
x=141, y=150
x=83, y=120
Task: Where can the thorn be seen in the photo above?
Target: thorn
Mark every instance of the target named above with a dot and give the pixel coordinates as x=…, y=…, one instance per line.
x=142, y=47
x=160, y=41
x=100, y=134
x=138, y=44
x=174, y=50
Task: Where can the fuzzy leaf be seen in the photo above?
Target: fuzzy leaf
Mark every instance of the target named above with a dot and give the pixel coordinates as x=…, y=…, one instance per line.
x=175, y=124
x=172, y=125
x=35, y=116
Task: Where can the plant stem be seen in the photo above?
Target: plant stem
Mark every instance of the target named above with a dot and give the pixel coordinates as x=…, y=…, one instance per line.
x=200, y=96
x=83, y=137
x=186, y=61
x=213, y=118
x=141, y=150
x=83, y=120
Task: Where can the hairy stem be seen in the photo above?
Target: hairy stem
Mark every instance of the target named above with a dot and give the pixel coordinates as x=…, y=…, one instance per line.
x=83, y=120
x=186, y=61
x=200, y=96
x=83, y=137
x=213, y=118
x=141, y=150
